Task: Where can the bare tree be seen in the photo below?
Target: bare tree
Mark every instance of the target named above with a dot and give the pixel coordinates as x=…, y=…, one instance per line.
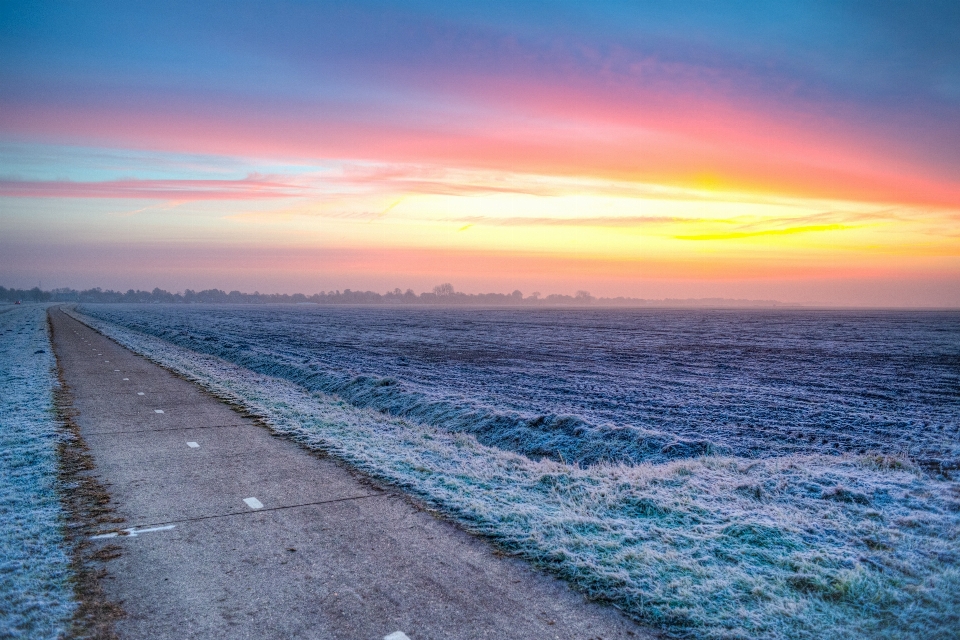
x=443, y=290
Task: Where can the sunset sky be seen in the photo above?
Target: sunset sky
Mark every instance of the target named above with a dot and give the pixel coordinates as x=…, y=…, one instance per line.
x=801, y=151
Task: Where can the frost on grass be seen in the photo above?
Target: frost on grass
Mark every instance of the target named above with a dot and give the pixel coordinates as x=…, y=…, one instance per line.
x=591, y=386
x=36, y=597
x=801, y=546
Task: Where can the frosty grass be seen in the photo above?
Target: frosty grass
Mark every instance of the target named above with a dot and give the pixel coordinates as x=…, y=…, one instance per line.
x=710, y=547
x=36, y=596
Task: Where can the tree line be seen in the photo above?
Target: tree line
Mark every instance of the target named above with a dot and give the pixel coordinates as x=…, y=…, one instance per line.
x=442, y=294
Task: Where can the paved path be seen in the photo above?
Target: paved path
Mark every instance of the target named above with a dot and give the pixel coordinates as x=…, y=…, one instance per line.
x=326, y=556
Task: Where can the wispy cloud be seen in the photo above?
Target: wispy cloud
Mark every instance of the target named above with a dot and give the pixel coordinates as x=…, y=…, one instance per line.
x=734, y=235
x=586, y=221
x=253, y=187
x=170, y=204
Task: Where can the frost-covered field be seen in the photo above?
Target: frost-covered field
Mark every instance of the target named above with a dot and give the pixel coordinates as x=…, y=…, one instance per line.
x=615, y=385
x=800, y=545
x=36, y=597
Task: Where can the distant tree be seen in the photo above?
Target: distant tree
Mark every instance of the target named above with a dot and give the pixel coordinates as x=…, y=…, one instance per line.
x=443, y=290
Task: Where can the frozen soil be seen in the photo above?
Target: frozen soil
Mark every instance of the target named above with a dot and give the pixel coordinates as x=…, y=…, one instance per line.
x=630, y=386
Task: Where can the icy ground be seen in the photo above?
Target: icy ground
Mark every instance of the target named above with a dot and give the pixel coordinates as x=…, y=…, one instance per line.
x=610, y=385
x=36, y=596
x=794, y=546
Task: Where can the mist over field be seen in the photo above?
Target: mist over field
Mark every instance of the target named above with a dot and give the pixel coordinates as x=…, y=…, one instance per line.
x=443, y=294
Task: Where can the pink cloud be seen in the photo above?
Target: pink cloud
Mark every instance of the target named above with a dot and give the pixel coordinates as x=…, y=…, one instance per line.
x=250, y=188
x=644, y=135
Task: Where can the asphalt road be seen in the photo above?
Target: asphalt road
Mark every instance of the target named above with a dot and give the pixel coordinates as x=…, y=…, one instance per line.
x=241, y=534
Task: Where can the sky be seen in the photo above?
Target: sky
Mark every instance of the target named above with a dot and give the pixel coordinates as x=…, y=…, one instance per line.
x=807, y=152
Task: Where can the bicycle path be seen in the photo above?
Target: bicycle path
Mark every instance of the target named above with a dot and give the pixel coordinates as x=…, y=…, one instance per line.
x=241, y=534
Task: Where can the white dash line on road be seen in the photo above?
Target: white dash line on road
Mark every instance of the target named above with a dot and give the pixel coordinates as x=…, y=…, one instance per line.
x=158, y=410
x=126, y=378
x=133, y=532
x=117, y=370
x=193, y=445
x=253, y=503
x=396, y=635
x=139, y=393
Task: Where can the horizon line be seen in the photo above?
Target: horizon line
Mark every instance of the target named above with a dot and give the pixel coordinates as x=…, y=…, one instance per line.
x=447, y=298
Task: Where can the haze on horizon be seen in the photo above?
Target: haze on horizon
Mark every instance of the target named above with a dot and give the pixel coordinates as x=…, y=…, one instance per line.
x=803, y=152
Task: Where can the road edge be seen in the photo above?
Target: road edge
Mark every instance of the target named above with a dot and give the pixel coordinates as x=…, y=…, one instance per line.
x=87, y=510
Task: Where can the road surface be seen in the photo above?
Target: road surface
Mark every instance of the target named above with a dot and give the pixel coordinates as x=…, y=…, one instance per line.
x=242, y=534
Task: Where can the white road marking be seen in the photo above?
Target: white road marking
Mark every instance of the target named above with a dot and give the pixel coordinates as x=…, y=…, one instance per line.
x=107, y=361
x=158, y=410
x=126, y=378
x=117, y=370
x=253, y=503
x=193, y=445
x=133, y=532
x=140, y=393
x=396, y=635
